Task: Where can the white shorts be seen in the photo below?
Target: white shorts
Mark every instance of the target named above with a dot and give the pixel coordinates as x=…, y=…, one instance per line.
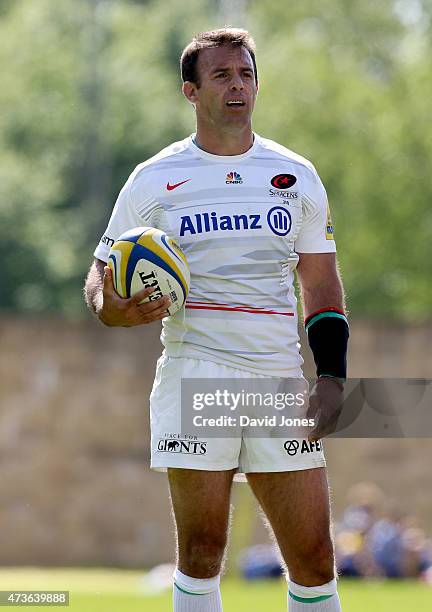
x=172, y=447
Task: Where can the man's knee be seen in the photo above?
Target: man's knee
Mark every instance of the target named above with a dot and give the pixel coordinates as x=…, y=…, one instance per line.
x=313, y=565
x=201, y=556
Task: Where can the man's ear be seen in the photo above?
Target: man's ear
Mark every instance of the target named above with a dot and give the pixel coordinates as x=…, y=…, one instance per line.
x=190, y=91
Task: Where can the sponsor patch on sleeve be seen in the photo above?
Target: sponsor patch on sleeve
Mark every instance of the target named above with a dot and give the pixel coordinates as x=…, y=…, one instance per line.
x=329, y=232
x=107, y=240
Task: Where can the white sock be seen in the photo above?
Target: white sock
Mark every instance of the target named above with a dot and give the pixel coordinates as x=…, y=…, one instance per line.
x=196, y=594
x=322, y=598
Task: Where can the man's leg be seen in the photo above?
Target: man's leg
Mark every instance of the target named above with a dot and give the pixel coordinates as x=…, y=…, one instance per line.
x=201, y=503
x=297, y=507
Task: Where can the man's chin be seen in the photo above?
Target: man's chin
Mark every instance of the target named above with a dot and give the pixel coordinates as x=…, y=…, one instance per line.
x=237, y=111
x=237, y=118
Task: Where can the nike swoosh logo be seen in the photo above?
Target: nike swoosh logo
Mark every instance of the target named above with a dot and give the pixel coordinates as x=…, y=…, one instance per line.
x=171, y=187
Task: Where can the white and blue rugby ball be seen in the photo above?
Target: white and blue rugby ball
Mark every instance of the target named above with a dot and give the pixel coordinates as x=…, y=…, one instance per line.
x=147, y=257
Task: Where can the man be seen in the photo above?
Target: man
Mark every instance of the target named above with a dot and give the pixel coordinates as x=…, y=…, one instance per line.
x=246, y=211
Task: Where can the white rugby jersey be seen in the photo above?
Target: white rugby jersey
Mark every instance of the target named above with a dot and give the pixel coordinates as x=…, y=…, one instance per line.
x=240, y=220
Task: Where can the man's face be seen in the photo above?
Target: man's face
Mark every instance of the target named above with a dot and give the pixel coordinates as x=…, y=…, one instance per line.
x=227, y=89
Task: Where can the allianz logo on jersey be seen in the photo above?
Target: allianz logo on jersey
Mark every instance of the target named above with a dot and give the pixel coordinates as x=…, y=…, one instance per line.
x=278, y=219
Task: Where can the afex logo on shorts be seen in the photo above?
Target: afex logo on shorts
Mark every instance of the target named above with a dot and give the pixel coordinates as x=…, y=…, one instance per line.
x=191, y=447
x=292, y=446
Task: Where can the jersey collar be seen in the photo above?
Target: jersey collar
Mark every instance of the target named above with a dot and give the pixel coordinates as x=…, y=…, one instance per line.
x=223, y=158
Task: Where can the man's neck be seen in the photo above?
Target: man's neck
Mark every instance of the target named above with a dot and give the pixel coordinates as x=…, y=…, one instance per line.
x=224, y=143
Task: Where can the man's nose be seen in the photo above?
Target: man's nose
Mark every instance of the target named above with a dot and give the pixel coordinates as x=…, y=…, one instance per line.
x=236, y=82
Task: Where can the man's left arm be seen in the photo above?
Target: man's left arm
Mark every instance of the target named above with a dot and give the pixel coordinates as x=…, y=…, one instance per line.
x=327, y=328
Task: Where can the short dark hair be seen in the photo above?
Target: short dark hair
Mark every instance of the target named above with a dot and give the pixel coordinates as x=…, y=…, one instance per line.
x=214, y=38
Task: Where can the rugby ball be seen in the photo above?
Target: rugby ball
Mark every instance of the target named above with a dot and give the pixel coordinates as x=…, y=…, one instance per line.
x=147, y=257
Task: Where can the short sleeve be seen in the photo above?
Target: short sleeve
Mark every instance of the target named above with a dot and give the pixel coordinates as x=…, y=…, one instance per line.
x=316, y=232
x=123, y=217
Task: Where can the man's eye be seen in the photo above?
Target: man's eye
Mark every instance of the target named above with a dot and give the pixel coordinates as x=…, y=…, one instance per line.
x=221, y=74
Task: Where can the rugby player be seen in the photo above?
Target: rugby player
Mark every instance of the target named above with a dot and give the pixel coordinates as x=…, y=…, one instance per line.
x=247, y=212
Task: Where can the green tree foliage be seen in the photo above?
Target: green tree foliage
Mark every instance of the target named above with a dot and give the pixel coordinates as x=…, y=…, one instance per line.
x=347, y=83
x=91, y=87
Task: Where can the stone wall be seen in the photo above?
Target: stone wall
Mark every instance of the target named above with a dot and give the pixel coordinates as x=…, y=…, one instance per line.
x=74, y=441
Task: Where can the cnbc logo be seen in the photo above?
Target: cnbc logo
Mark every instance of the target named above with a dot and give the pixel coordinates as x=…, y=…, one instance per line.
x=233, y=178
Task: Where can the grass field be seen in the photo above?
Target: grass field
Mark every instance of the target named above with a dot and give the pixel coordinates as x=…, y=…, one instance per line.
x=93, y=590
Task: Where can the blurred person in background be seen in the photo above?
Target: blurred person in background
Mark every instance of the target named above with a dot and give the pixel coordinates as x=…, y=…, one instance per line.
x=416, y=560
x=261, y=561
x=371, y=541
x=399, y=545
x=227, y=329
x=354, y=557
x=365, y=503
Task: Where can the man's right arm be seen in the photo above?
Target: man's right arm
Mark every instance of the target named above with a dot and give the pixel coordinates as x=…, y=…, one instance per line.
x=115, y=311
